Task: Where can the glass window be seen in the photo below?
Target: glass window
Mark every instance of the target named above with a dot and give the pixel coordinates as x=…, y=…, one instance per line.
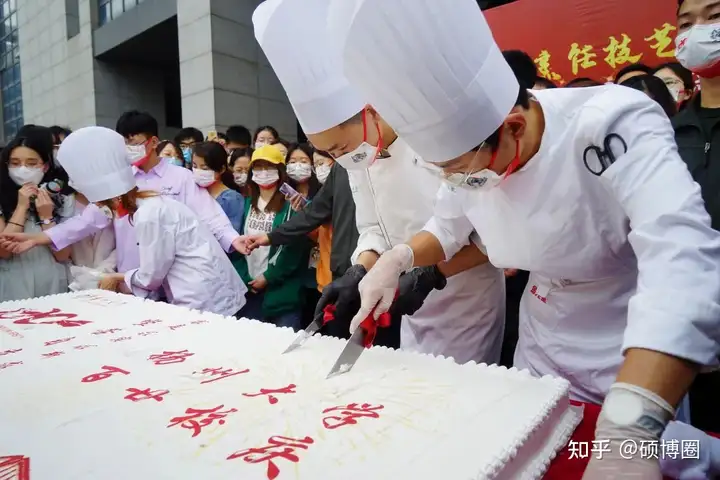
x=10, y=69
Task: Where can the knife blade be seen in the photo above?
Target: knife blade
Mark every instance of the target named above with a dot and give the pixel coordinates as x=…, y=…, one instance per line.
x=303, y=336
x=320, y=319
x=350, y=354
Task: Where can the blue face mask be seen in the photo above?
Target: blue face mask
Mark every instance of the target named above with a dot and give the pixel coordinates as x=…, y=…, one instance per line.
x=175, y=161
x=187, y=156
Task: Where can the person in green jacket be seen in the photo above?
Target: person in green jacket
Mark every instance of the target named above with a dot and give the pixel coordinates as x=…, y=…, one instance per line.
x=274, y=274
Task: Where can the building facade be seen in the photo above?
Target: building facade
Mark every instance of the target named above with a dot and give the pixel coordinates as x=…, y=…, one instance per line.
x=187, y=62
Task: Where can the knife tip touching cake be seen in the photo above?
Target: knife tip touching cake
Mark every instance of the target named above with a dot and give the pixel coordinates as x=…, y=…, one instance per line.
x=101, y=385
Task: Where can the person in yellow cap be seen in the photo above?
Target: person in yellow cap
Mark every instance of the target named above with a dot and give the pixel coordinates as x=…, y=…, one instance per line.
x=274, y=275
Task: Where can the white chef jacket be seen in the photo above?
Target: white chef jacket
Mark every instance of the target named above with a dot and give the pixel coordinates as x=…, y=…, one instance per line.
x=622, y=260
x=394, y=198
x=180, y=254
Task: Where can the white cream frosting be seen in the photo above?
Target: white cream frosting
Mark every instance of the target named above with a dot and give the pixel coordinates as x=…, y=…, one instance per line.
x=439, y=419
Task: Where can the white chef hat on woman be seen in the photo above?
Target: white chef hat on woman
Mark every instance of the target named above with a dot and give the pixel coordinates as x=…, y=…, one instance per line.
x=293, y=36
x=432, y=70
x=96, y=160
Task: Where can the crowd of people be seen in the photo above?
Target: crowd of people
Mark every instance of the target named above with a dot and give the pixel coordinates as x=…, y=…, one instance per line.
x=254, y=226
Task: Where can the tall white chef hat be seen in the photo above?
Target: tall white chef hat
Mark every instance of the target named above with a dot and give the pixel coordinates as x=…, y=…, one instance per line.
x=293, y=35
x=96, y=160
x=433, y=71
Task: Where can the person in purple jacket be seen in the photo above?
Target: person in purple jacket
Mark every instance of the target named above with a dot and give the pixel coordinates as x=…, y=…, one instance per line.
x=140, y=131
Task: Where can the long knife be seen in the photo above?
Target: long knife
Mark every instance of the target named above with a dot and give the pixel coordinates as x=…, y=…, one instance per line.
x=320, y=319
x=361, y=339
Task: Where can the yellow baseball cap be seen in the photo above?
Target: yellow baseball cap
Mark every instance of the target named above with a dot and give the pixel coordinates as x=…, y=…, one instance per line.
x=269, y=153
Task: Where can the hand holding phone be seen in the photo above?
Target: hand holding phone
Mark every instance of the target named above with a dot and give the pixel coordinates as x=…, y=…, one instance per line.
x=290, y=192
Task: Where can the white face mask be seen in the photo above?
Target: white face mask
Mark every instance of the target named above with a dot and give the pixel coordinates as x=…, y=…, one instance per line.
x=135, y=153
x=360, y=158
x=322, y=172
x=240, y=179
x=698, y=49
x=260, y=145
x=485, y=179
x=204, y=178
x=299, y=171
x=175, y=161
x=265, y=178
x=23, y=175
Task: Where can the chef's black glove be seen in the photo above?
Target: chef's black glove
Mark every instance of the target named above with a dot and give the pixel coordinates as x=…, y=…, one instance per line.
x=414, y=288
x=343, y=294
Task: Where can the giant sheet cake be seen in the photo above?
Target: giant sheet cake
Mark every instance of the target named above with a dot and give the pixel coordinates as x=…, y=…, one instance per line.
x=95, y=385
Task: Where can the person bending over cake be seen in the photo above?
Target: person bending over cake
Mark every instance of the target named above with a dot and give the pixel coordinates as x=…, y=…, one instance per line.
x=454, y=308
x=584, y=188
x=177, y=251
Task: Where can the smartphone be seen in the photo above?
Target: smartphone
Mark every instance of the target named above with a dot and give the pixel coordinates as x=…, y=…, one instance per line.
x=289, y=191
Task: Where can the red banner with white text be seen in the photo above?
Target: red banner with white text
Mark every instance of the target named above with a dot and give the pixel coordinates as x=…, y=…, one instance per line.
x=587, y=38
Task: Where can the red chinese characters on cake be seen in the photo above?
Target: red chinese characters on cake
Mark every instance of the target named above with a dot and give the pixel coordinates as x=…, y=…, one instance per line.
x=148, y=322
x=278, y=448
x=199, y=322
x=272, y=392
x=26, y=316
x=137, y=395
x=196, y=418
x=145, y=334
x=175, y=327
x=348, y=414
x=120, y=339
x=109, y=331
x=15, y=467
x=59, y=341
x=167, y=358
x=52, y=354
x=83, y=347
x=9, y=352
x=108, y=371
x=219, y=373
x=3, y=366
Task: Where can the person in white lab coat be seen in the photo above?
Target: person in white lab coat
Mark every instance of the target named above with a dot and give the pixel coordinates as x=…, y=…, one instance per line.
x=394, y=195
x=584, y=188
x=177, y=252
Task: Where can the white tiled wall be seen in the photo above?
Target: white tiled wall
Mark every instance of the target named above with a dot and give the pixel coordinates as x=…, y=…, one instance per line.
x=57, y=73
x=225, y=78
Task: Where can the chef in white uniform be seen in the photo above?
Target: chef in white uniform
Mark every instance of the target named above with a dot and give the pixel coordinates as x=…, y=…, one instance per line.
x=582, y=187
x=394, y=195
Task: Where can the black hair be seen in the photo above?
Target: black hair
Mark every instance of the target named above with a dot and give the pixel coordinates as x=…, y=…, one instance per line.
x=161, y=146
x=313, y=183
x=682, y=73
x=282, y=142
x=222, y=137
x=59, y=133
x=35, y=138
x=239, y=153
x=544, y=82
x=582, y=82
x=522, y=66
x=635, y=67
x=238, y=134
x=269, y=129
x=215, y=158
x=656, y=89
x=189, y=132
x=523, y=100
x=137, y=123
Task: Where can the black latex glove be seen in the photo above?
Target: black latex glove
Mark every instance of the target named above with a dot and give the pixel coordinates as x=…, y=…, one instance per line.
x=414, y=288
x=343, y=293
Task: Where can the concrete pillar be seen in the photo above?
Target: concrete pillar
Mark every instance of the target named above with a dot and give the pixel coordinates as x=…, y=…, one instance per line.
x=225, y=79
